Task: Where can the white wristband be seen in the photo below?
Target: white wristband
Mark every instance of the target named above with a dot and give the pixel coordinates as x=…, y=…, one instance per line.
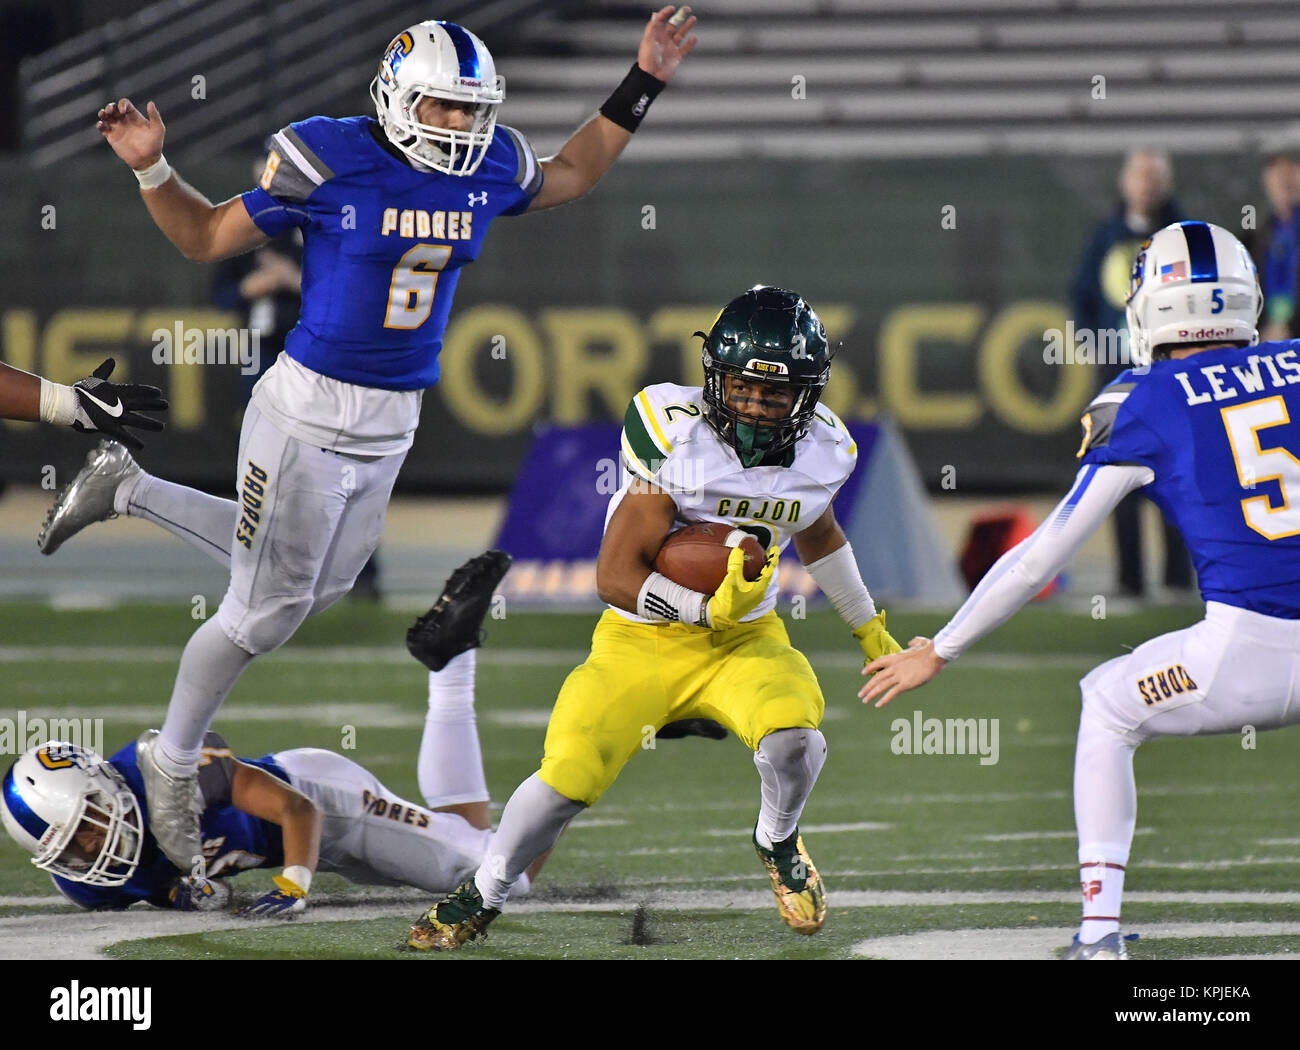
x=58, y=403
x=840, y=580
x=155, y=175
x=300, y=876
x=663, y=601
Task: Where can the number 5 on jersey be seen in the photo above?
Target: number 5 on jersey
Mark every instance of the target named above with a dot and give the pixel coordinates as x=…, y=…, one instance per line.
x=1256, y=464
x=410, y=296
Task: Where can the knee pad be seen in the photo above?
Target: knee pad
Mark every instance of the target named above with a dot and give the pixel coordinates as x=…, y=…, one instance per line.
x=266, y=628
x=793, y=753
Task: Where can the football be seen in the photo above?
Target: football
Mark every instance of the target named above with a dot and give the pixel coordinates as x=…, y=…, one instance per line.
x=696, y=556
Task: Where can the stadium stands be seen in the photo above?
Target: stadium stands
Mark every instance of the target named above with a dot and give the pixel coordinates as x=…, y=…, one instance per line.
x=881, y=77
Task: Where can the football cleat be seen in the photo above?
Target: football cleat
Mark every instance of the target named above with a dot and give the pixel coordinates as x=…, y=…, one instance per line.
x=453, y=922
x=1109, y=947
x=455, y=623
x=88, y=497
x=800, y=897
x=683, y=727
x=174, y=805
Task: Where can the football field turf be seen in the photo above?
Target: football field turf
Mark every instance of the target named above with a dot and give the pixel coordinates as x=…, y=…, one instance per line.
x=917, y=850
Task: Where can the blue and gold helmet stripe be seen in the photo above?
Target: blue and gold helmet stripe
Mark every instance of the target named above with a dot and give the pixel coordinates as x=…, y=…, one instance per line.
x=466, y=52
x=21, y=812
x=1200, y=251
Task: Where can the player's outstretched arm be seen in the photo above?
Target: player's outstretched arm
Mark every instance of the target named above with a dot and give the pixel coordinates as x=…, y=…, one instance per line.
x=91, y=405
x=258, y=793
x=594, y=147
x=1014, y=579
x=20, y=394
x=203, y=231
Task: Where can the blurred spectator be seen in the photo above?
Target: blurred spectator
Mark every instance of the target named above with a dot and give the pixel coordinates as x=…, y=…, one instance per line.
x=1275, y=243
x=1098, y=295
x=266, y=287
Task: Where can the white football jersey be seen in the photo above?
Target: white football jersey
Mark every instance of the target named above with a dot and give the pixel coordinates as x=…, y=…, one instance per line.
x=666, y=440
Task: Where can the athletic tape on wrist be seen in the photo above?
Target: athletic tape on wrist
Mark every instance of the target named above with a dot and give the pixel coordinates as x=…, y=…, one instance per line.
x=58, y=404
x=667, y=602
x=155, y=175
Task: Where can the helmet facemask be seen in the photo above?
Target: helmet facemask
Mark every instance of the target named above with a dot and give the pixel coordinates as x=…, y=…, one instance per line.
x=756, y=440
x=443, y=149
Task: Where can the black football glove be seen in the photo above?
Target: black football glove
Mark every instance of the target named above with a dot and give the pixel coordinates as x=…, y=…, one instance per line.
x=112, y=407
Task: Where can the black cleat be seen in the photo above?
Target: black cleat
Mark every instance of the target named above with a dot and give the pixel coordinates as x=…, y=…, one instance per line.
x=705, y=727
x=455, y=623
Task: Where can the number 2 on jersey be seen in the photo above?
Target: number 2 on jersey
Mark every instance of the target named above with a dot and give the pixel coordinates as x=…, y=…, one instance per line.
x=1256, y=464
x=410, y=296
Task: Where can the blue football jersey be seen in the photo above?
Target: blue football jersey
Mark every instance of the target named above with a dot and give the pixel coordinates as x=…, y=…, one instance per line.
x=232, y=840
x=383, y=243
x=1221, y=431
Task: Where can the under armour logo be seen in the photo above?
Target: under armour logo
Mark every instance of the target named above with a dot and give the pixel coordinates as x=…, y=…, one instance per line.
x=1091, y=889
x=477, y=198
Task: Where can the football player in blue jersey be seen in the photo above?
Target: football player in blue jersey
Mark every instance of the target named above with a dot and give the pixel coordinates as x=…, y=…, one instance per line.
x=390, y=209
x=307, y=809
x=1207, y=426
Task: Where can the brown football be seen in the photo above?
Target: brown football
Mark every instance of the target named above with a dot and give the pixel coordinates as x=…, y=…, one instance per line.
x=696, y=556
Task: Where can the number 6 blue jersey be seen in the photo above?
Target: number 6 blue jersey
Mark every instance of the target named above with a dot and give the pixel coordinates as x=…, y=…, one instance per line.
x=383, y=243
x=1221, y=431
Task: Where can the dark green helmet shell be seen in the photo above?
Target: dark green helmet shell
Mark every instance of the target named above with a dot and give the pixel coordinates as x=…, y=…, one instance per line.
x=772, y=335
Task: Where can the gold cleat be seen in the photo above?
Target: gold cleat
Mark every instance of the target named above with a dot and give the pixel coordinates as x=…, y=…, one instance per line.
x=453, y=922
x=800, y=898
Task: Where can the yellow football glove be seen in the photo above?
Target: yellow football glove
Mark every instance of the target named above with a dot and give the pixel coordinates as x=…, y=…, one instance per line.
x=875, y=640
x=737, y=597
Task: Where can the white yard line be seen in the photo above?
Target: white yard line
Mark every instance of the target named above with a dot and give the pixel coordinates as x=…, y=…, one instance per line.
x=1045, y=943
x=84, y=935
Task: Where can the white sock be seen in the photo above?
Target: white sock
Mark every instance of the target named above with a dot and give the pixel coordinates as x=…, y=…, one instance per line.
x=205, y=522
x=1103, y=886
x=450, y=767
x=530, y=824
x=788, y=762
x=1105, y=812
x=210, y=666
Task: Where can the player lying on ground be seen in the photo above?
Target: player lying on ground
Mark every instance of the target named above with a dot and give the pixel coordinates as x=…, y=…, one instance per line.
x=391, y=210
x=753, y=437
x=1208, y=432
x=89, y=405
x=306, y=809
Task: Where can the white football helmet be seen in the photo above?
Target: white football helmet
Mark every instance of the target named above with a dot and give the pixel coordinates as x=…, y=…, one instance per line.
x=1192, y=282
x=74, y=813
x=438, y=60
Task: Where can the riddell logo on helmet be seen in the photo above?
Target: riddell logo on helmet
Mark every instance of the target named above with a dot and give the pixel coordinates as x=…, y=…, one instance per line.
x=1204, y=333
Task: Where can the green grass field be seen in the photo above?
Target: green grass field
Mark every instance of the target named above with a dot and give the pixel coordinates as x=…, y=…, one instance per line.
x=662, y=866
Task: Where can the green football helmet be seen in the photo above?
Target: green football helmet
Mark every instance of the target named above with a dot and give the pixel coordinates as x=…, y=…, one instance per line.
x=772, y=335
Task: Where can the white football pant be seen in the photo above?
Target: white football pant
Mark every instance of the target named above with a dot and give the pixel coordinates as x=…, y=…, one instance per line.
x=372, y=836
x=1235, y=669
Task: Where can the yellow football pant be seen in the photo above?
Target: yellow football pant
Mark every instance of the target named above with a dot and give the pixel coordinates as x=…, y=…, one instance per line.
x=641, y=676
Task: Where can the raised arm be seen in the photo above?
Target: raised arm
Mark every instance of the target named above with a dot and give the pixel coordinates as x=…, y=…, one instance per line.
x=594, y=147
x=203, y=231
